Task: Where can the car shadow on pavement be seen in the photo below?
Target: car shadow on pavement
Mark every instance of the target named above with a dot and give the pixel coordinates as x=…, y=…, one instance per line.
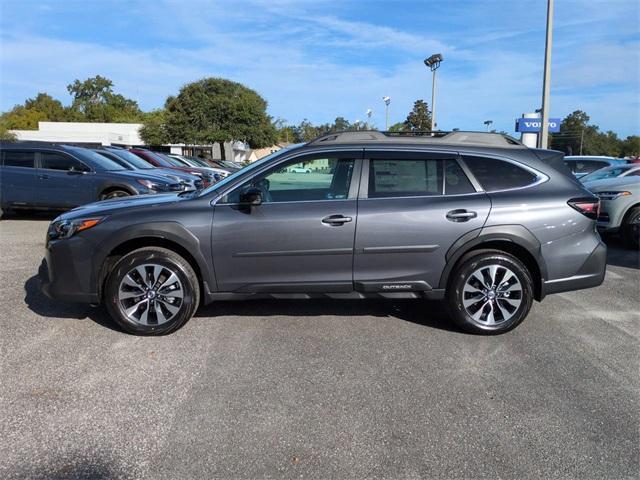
x=620, y=255
x=43, y=306
x=431, y=314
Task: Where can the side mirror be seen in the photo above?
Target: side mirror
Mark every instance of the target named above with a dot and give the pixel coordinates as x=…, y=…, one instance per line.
x=251, y=196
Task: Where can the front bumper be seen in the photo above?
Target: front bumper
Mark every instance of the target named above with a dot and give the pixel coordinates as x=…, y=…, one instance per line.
x=590, y=275
x=65, y=271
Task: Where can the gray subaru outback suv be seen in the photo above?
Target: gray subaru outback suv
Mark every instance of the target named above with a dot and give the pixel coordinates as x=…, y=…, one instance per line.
x=478, y=220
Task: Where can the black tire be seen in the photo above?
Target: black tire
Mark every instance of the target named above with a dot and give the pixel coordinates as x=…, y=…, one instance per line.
x=630, y=228
x=114, y=194
x=505, y=306
x=146, y=259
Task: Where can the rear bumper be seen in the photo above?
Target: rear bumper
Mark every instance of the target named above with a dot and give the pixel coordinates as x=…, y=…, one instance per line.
x=590, y=275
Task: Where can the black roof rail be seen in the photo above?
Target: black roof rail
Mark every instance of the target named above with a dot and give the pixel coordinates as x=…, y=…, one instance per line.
x=489, y=139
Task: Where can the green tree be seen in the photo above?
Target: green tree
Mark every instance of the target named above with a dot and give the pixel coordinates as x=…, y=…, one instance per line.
x=95, y=100
x=419, y=119
x=26, y=117
x=631, y=146
x=577, y=136
x=153, y=130
x=397, y=127
x=5, y=134
x=21, y=118
x=215, y=110
x=53, y=109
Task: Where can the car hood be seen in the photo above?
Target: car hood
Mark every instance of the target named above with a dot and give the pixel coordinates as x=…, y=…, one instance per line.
x=141, y=174
x=117, y=205
x=607, y=184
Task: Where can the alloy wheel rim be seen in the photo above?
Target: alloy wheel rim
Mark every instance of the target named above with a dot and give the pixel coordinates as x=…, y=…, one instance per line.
x=492, y=295
x=150, y=294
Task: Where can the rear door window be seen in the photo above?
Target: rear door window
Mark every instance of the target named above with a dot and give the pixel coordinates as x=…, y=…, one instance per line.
x=58, y=161
x=404, y=178
x=494, y=174
x=18, y=159
x=456, y=181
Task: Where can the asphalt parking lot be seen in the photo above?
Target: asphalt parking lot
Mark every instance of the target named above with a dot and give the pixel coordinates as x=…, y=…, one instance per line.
x=318, y=389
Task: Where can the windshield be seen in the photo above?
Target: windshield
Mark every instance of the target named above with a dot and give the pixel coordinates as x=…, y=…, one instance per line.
x=97, y=160
x=196, y=162
x=131, y=158
x=607, y=172
x=252, y=166
x=173, y=161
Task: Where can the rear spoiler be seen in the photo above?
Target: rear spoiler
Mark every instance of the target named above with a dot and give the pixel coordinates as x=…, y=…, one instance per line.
x=554, y=159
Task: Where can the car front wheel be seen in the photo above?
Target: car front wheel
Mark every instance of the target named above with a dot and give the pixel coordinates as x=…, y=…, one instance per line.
x=152, y=291
x=491, y=292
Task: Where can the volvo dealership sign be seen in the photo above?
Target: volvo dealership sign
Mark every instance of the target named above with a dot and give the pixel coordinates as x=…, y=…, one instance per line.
x=532, y=125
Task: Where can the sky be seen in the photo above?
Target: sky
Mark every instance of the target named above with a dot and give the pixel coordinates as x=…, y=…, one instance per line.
x=326, y=58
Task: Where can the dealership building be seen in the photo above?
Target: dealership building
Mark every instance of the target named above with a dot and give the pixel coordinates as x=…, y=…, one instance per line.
x=128, y=135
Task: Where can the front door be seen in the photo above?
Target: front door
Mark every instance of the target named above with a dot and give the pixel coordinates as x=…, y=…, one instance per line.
x=64, y=182
x=300, y=238
x=413, y=208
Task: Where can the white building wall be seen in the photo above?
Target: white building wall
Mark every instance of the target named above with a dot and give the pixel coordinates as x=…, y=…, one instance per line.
x=81, y=132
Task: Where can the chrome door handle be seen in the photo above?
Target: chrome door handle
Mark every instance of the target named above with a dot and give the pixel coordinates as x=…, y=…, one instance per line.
x=336, y=219
x=461, y=215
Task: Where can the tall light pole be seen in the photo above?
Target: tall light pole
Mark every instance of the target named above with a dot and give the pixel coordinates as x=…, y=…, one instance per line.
x=543, y=139
x=387, y=101
x=369, y=112
x=433, y=62
x=488, y=123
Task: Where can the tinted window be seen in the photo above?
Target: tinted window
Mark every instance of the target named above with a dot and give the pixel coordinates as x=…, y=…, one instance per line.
x=588, y=166
x=18, y=159
x=317, y=179
x=404, y=178
x=95, y=159
x=498, y=174
x=58, y=161
x=635, y=173
x=131, y=158
x=455, y=180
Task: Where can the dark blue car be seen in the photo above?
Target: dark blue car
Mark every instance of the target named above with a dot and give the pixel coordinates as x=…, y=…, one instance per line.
x=60, y=177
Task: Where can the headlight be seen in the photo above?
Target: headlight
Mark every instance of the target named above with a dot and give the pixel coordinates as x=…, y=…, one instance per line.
x=612, y=195
x=67, y=228
x=152, y=185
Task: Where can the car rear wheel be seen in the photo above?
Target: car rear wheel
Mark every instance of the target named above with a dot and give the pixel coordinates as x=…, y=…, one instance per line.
x=490, y=292
x=631, y=228
x=114, y=194
x=152, y=291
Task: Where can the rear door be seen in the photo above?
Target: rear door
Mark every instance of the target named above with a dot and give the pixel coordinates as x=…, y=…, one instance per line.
x=63, y=181
x=412, y=207
x=18, y=178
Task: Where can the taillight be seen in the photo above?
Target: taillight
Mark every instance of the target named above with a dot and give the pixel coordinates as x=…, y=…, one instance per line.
x=589, y=207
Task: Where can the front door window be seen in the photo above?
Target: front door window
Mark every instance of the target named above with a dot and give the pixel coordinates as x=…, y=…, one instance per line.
x=310, y=180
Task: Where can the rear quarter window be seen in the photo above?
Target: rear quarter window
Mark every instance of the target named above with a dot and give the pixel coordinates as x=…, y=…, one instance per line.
x=18, y=159
x=494, y=174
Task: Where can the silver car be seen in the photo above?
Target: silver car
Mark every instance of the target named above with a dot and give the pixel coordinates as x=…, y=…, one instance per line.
x=619, y=206
x=615, y=171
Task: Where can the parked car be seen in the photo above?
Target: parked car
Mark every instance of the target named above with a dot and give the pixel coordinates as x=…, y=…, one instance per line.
x=619, y=206
x=134, y=162
x=477, y=219
x=162, y=162
x=216, y=175
x=59, y=177
x=300, y=170
x=627, y=170
x=196, y=162
x=585, y=164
